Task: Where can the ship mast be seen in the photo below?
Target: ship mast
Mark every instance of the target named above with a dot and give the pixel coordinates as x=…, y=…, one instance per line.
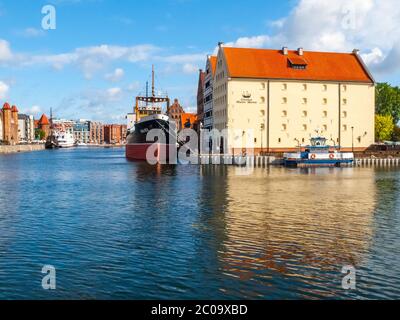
x=152, y=82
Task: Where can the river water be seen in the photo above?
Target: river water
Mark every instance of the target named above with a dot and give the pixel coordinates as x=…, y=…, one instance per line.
x=115, y=229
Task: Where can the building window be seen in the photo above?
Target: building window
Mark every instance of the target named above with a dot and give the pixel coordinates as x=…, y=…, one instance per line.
x=304, y=127
x=305, y=100
x=279, y=140
x=325, y=101
x=262, y=113
x=284, y=100
x=304, y=87
x=284, y=127
x=262, y=100
x=325, y=127
x=263, y=85
x=305, y=113
x=325, y=114
x=344, y=88
x=344, y=127
x=324, y=87
x=344, y=101
x=344, y=114
x=284, y=87
x=284, y=113
x=303, y=140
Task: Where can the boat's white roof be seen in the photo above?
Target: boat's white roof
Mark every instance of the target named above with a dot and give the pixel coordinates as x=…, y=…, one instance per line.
x=154, y=117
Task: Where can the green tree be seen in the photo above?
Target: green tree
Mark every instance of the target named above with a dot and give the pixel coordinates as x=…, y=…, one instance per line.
x=388, y=101
x=384, y=127
x=40, y=134
x=396, y=134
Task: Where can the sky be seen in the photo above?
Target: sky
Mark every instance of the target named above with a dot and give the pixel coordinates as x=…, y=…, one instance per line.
x=99, y=56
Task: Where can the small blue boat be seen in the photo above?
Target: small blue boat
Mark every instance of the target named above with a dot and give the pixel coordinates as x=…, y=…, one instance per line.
x=318, y=154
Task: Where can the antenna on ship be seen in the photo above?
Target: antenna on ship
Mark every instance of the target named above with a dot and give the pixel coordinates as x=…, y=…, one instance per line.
x=152, y=82
x=147, y=93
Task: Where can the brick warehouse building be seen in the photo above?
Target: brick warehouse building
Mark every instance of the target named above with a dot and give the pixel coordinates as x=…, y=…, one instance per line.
x=115, y=133
x=9, y=125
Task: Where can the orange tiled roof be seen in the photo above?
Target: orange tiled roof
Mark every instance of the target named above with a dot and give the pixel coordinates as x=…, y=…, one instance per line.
x=6, y=106
x=14, y=109
x=213, y=62
x=272, y=64
x=44, y=120
x=192, y=117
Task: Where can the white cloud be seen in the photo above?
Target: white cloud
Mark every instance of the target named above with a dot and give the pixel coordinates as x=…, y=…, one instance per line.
x=88, y=59
x=31, y=33
x=34, y=110
x=115, y=76
x=113, y=94
x=189, y=68
x=369, y=25
x=5, y=51
x=4, y=88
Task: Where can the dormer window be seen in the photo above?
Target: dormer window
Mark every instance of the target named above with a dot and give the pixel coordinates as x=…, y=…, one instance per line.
x=297, y=63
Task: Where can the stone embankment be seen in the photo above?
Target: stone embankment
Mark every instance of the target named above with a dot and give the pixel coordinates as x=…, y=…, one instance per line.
x=21, y=148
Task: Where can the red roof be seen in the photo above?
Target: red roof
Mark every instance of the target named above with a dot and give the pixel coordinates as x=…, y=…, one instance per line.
x=14, y=109
x=44, y=120
x=273, y=64
x=213, y=62
x=6, y=106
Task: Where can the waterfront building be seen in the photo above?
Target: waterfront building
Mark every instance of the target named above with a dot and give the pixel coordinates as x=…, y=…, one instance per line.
x=284, y=97
x=96, y=132
x=208, y=92
x=44, y=125
x=115, y=133
x=175, y=111
x=9, y=124
x=81, y=131
x=63, y=125
x=200, y=96
x=26, y=128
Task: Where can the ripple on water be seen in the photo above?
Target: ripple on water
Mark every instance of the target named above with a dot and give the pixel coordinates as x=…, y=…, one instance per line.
x=123, y=230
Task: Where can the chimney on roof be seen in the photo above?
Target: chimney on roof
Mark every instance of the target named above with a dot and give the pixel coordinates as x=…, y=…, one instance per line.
x=285, y=51
x=300, y=51
x=356, y=51
x=220, y=44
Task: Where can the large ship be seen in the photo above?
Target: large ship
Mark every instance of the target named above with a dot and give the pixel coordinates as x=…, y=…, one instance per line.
x=148, y=116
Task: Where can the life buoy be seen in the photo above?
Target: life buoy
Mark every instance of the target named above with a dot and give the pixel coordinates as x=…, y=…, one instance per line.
x=313, y=156
x=331, y=156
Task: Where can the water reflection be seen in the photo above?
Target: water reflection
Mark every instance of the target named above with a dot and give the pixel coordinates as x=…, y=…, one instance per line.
x=126, y=230
x=303, y=225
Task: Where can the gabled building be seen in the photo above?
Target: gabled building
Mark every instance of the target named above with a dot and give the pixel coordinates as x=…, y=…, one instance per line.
x=285, y=97
x=208, y=92
x=200, y=96
x=175, y=111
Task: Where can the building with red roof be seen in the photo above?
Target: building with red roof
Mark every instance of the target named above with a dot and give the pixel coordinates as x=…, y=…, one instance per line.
x=9, y=124
x=44, y=125
x=282, y=98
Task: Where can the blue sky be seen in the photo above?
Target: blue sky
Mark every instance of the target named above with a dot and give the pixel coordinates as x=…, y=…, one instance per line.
x=99, y=57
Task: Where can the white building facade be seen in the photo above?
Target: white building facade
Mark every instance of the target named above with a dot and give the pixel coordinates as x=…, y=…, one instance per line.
x=279, y=99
